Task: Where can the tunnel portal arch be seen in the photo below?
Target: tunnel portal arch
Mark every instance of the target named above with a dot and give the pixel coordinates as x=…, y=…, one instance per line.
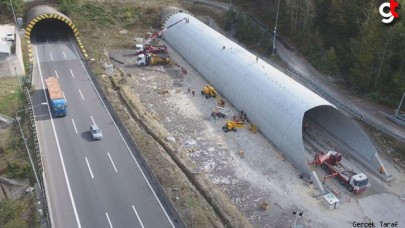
x=43, y=12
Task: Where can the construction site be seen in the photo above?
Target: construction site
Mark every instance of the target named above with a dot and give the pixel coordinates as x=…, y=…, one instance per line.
x=264, y=150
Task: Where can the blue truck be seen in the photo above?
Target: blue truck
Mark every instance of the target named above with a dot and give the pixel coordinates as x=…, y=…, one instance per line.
x=57, y=99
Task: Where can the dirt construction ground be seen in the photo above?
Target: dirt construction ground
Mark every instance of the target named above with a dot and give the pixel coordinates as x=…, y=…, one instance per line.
x=231, y=173
x=243, y=165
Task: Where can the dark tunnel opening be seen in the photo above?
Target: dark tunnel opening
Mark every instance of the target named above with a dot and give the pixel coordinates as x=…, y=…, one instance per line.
x=51, y=30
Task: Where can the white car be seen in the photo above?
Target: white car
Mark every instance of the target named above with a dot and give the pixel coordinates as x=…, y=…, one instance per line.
x=96, y=133
x=10, y=37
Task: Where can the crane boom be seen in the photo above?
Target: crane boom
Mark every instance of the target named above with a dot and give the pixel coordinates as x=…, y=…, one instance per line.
x=159, y=33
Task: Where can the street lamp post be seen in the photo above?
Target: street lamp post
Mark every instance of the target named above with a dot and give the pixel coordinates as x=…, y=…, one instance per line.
x=18, y=118
x=399, y=106
x=275, y=28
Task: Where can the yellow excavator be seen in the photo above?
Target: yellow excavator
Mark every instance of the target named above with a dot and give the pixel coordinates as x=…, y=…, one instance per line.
x=232, y=125
x=209, y=91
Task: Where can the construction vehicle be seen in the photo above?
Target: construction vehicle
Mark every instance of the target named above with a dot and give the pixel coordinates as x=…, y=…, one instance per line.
x=144, y=49
x=331, y=162
x=220, y=112
x=232, y=125
x=148, y=48
x=57, y=99
x=209, y=91
x=159, y=33
x=152, y=59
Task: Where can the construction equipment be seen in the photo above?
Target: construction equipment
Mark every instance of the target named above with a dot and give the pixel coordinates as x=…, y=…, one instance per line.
x=159, y=33
x=232, y=125
x=220, y=112
x=152, y=59
x=331, y=163
x=148, y=48
x=209, y=91
x=57, y=99
x=144, y=49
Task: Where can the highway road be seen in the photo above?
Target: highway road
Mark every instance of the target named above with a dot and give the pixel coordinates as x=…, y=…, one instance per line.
x=88, y=183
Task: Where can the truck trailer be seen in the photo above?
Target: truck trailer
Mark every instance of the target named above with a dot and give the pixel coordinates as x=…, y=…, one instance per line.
x=331, y=162
x=57, y=100
x=152, y=59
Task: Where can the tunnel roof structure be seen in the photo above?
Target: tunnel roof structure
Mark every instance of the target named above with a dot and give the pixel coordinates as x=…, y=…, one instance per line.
x=44, y=12
x=273, y=101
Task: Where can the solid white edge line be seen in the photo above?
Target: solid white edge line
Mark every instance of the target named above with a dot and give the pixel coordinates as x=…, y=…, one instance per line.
x=56, y=73
x=92, y=119
x=59, y=150
x=109, y=221
x=81, y=94
x=126, y=144
x=71, y=72
x=136, y=213
x=64, y=55
x=112, y=162
x=51, y=56
x=74, y=125
x=88, y=165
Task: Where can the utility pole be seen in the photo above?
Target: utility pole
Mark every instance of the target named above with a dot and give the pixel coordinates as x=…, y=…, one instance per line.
x=275, y=28
x=12, y=8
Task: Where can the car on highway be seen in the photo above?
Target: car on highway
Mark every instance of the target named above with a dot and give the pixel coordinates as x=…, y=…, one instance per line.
x=10, y=37
x=96, y=132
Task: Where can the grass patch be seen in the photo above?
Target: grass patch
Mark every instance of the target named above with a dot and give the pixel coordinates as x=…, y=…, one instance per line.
x=11, y=97
x=14, y=160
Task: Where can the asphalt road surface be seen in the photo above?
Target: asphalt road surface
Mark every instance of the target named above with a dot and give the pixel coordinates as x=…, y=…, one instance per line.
x=88, y=183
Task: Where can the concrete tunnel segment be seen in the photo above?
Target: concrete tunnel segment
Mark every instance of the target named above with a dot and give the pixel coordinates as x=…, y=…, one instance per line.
x=273, y=101
x=43, y=12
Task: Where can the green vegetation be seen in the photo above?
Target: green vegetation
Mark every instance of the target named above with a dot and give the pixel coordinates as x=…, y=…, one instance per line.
x=344, y=39
x=6, y=14
x=248, y=31
x=18, y=213
x=13, y=159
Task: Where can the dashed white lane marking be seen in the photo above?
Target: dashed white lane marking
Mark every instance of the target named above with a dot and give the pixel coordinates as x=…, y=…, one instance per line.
x=109, y=221
x=92, y=119
x=64, y=55
x=81, y=94
x=74, y=125
x=56, y=73
x=136, y=213
x=71, y=72
x=88, y=165
x=51, y=56
x=112, y=162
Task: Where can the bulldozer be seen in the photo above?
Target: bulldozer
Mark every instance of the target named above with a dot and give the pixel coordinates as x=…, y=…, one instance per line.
x=209, y=91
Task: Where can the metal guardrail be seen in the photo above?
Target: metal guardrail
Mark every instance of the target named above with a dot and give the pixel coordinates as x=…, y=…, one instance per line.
x=39, y=165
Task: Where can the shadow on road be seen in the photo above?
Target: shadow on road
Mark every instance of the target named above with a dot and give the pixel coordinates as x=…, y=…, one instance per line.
x=87, y=136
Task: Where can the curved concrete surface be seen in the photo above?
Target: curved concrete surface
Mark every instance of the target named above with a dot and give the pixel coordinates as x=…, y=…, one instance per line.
x=273, y=101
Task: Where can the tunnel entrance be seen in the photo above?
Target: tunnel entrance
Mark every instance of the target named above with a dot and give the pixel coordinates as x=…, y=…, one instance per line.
x=46, y=24
x=326, y=129
x=51, y=30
